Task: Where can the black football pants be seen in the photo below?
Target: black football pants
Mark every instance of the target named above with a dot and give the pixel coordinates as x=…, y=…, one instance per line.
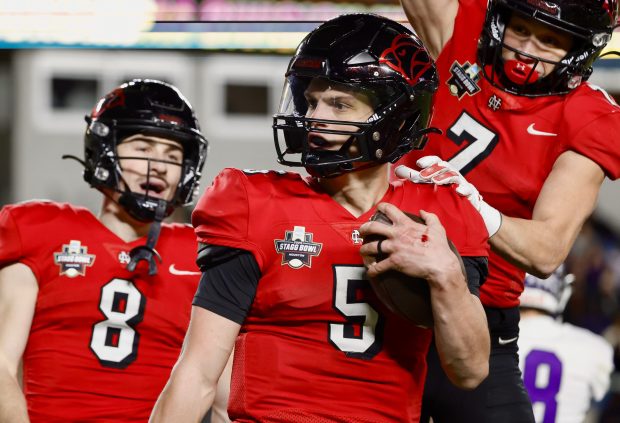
x=500, y=398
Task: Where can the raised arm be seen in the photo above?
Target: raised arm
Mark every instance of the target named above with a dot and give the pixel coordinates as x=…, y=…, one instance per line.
x=460, y=326
x=432, y=20
x=18, y=296
x=540, y=244
x=190, y=392
x=567, y=198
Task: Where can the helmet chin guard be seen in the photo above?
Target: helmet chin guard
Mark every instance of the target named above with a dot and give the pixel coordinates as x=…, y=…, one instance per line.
x=142, y=207
x=148, y=252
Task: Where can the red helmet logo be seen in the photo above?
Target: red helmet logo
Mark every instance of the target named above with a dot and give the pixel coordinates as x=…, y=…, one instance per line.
x=113, y=99
x=406, y=57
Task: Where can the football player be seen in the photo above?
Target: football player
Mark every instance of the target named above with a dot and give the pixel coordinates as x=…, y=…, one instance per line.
x=283, y=278
x=565, y=367
x=523, y=129
x=97, y=306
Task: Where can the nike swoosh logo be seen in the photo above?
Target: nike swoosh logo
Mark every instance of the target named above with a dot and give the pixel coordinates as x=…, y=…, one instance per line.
x=532, y=131
x=503, y=341
x=178, y=272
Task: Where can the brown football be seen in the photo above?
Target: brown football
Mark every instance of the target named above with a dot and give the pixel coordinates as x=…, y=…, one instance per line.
x=407, y=296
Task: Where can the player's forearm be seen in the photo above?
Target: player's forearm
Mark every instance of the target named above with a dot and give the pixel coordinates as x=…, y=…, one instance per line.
x=535, y=246
x=565, y=201
x=433, y=21
x=185, y=398
x=461, y=337
x=13, y=407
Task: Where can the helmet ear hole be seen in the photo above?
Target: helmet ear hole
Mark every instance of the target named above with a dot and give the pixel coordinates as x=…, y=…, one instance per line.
x=149, y=107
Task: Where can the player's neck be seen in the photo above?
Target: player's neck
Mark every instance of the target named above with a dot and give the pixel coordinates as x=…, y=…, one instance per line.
x=358, y=191
x=118, y=221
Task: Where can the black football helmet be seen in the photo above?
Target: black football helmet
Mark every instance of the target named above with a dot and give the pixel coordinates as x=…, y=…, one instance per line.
x=366, y=53
x=589, y=22
x=153, y=108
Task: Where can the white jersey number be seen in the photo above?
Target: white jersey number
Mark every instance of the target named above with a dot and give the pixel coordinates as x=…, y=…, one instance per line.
x=115, y=339
x=481, y=142
x=361, y=336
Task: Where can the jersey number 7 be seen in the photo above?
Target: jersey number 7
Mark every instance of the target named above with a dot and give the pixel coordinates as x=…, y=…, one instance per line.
x=480, y=139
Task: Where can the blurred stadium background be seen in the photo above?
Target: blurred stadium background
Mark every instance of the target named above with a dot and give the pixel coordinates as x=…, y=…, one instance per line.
x=57, y=57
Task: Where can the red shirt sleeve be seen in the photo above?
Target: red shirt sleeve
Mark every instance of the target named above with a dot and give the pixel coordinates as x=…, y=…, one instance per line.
x=464, y=225
x=592, y=127
x=11, y=250
x=221, y=217
x=24, y=228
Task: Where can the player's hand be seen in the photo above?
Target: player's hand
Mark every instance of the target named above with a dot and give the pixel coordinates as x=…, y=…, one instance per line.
x=415, y=249
x=439, y=172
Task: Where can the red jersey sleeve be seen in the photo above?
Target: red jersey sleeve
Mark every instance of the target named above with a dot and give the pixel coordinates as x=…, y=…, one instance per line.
x=22, y=235
x=592, y=124
x=463, y=224
x=221, y=217
x=11, y=250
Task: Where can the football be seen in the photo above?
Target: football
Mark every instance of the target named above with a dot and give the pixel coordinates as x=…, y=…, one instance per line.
x=407, y=296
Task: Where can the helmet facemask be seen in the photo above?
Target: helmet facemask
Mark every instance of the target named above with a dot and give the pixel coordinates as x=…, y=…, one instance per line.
x=522, y=79
x=146, y=107
x=104, y=170
x=369, y=142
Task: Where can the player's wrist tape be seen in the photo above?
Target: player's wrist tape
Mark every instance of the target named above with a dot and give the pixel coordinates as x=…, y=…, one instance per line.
x=492, y=218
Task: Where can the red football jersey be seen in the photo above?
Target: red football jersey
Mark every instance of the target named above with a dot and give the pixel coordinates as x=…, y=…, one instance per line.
x=506, y=145
x=103, y=340
x=317, y=346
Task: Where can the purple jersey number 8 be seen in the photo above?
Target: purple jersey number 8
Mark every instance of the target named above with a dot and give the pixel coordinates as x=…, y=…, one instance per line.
x=545, y=393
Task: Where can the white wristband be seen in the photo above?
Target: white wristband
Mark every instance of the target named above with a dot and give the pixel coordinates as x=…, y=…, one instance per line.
x=491, y=216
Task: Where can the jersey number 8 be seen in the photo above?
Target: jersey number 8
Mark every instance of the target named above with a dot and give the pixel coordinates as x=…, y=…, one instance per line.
x=115, y=339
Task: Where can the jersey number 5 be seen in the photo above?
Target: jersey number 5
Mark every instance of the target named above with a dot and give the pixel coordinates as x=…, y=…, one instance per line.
x=115, y=339
x=361, y=336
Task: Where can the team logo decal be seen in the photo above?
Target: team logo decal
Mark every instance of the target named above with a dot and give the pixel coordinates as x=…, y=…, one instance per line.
x=297, y=248
x=464, y=79
x=73, y=259
x=546, y=6
x=355, y=237
x=114, y=99
x=406, y=57
x=494, y=103
x=123, y=257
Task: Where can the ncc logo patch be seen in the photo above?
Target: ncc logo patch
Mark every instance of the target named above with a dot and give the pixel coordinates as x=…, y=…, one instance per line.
x=123, y=257
x=73, y=259
x=464, y=79
x=297, y=248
